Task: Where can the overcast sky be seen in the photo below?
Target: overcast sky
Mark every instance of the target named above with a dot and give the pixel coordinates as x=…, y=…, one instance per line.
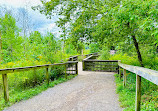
x=41, y=23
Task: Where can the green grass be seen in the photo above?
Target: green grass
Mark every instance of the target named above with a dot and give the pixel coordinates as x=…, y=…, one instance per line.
x=18, y=95
x=149, y=98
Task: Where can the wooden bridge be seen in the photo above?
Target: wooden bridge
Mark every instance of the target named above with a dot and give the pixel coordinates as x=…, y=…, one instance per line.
x=93, y=88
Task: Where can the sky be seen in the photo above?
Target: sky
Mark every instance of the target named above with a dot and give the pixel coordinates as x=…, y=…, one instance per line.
x=41, y=23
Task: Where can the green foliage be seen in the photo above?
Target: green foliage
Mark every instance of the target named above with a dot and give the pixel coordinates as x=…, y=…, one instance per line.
x=104, y=54
x=150, y=60
x=11, y=41
x=111, y=23
x=94, y=47
x=57, y=72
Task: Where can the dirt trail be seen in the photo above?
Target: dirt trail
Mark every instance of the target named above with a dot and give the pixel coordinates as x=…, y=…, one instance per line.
x=89, y=91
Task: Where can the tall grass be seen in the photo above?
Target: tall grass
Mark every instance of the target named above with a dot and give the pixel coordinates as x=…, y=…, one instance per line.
x=149, y=97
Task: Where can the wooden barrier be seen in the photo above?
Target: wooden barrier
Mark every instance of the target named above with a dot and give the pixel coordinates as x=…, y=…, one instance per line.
x=70, y=68
x=148, y=74
x=91, y=64
x=75, y=58
x=100, y=65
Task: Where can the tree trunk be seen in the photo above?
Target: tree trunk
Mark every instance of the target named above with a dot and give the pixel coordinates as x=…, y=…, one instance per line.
x=138, y=51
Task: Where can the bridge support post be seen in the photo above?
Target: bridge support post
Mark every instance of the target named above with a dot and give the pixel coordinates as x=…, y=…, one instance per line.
x=76, y=67
x=138, y=92
x=5, y=87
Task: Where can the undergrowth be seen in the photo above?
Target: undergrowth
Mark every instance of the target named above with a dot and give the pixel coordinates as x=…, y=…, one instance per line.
x=148, y=61
x=149, y=97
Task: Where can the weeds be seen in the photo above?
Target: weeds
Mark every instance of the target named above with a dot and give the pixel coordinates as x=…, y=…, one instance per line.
x=149, y=98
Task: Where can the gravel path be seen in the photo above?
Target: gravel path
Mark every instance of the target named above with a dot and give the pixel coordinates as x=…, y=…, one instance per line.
x=89, y=91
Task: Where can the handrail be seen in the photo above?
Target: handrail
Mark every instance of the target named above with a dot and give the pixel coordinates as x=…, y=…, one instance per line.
x=101, y=60
x=18, y=69
x=148, y=74
x=92, y=55
x=4, y=73
x=75, y=58
x=88, y=57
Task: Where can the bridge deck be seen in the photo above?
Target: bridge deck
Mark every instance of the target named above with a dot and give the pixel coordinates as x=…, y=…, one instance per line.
x=89, y=91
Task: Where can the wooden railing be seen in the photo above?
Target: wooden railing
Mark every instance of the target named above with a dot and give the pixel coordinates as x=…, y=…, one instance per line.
x=76, y=57
x=91, y=64
x=73, y=58
x=70, y=68
x=148, y=74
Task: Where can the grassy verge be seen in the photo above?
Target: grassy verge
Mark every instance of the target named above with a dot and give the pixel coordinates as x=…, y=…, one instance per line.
x=149, y=98
x=16, y=96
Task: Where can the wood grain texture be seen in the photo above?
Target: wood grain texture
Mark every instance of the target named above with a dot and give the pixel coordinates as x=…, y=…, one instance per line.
x=138, y=93
x=148, y=74
x=124, y=77
x=5, y=87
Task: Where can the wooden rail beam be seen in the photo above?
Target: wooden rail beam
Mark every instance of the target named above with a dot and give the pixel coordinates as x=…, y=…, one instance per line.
x=148, y=74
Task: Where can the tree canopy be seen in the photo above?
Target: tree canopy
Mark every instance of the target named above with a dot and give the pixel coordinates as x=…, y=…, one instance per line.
x=133, y=22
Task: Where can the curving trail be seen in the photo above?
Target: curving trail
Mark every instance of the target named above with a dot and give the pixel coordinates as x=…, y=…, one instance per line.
x=89, y=91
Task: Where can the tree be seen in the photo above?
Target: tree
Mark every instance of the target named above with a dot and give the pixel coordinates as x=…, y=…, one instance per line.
x=10, y=37
x=110, y=22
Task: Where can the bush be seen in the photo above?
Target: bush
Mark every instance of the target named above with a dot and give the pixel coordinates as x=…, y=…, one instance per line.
x=56, y=72
x=94, y=47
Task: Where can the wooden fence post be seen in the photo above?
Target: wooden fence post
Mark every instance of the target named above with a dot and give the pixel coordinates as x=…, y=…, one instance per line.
x=5, y=86
x=77, y=58
x=120, y=73
x=124, y=77
x=138, y=92
x=65, y=71
x=76, y=67
x=35, y=77
x=47, y=76
x=83, y=65
x=118, y=69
